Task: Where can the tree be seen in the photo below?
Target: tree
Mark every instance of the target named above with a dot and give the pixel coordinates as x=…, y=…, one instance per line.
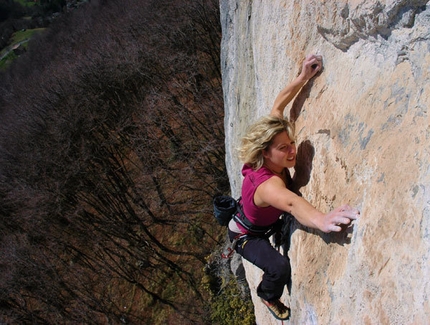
x=111, y=153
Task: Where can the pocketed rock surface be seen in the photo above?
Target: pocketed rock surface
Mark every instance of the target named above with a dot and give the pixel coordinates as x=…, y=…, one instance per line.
x=363, y=136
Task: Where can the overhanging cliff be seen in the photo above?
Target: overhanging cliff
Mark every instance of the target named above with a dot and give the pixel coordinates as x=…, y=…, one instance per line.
x=364, y=139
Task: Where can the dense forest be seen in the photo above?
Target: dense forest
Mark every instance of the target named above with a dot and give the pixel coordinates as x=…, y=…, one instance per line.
x=111, y=149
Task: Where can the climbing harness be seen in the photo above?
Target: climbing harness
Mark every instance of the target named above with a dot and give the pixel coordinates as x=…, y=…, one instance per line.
x=241, y=219
x=226, y=208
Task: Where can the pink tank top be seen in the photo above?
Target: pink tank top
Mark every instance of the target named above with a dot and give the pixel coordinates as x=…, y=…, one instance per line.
x=258, y=216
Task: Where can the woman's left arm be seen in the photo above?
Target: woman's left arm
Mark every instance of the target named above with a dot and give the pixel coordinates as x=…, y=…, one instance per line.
x=272, y=192
x=311, y=65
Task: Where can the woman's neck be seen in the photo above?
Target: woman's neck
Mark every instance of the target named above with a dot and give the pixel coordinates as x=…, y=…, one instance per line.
x=274, y=170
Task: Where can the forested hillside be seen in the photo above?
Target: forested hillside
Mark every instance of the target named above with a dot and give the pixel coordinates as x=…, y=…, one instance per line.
x=111, y=149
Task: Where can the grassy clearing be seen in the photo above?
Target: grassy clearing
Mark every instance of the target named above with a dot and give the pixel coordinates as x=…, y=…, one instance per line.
x=7, y=55
x=26, y=34
x=27, y=3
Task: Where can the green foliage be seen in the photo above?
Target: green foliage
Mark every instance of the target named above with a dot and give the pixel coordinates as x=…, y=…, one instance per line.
x=230, y=303
x=229, y=308
x=7, y=60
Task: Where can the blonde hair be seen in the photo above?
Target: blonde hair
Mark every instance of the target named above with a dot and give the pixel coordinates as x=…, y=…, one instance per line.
x=260, y=136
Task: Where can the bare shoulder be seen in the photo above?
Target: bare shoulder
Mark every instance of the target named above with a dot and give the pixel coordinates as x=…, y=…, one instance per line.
x=267, y=190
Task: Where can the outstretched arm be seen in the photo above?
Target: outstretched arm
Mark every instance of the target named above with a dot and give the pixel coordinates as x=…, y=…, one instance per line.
x=273, y=192
x=311, y=65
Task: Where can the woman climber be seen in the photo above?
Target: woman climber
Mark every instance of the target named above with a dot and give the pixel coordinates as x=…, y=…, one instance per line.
x=267, y=151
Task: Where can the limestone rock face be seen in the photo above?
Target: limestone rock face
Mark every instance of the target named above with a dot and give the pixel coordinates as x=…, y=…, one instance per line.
x=363, y=135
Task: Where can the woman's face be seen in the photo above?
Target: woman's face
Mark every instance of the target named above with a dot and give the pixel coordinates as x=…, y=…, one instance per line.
x=281, y=153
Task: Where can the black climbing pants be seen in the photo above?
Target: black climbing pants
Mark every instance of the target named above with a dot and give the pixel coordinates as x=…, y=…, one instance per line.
x=277, y=270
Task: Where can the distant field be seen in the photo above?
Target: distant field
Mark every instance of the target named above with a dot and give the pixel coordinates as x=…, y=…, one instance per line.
x=27, y=3
x=26, y=34
x=7, y=55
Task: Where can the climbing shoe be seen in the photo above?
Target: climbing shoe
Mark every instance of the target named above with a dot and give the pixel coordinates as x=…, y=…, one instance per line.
x=278, y=309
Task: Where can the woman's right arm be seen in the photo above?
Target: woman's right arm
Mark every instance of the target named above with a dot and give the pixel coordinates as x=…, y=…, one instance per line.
x=311, y=65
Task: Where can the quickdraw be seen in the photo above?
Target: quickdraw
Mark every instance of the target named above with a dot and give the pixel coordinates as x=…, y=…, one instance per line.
x=230, y=250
